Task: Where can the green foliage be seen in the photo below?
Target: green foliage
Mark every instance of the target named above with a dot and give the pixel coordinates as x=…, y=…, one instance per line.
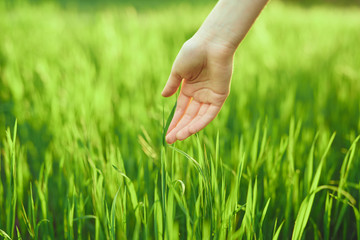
x=86, y=158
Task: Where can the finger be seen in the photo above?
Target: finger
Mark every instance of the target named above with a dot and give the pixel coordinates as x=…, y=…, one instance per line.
x=185, y=133
x=182, y=104
x=190, y=113
x=199, y=124
x=172, y=84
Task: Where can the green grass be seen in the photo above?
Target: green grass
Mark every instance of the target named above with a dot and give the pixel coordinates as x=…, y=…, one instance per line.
x=86, y=158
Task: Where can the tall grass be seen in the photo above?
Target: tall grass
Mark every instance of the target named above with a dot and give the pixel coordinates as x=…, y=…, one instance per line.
x=86, y=158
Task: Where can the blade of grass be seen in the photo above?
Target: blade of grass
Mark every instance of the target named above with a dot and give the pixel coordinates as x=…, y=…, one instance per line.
x=168, y=121
x=4, y=234
x=306, y=205
x=277, y=233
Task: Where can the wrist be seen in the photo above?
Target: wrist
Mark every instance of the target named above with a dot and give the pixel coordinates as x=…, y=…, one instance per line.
x=220, y=27
x=214, y=42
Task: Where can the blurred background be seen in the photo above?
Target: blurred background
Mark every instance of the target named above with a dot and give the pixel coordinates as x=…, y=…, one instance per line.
x=83, y=79
x=154, y=3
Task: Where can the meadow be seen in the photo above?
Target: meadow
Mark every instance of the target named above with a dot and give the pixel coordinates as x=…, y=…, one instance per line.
x=82, y=121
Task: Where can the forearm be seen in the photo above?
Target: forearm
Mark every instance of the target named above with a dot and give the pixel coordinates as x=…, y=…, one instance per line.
x=229, y=22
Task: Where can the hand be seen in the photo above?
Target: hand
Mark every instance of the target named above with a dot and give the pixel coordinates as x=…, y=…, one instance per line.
x=204, y=69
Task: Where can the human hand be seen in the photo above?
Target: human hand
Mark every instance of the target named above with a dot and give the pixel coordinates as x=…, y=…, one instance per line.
x=204, y=68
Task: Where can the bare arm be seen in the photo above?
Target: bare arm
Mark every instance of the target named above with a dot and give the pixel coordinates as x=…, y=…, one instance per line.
x=204, y=66
x=230, y=20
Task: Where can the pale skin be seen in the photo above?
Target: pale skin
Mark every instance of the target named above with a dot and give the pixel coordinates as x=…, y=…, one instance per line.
x=204, y=66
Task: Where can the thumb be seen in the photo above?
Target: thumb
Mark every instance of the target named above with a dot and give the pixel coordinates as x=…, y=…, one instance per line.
x=172, y=84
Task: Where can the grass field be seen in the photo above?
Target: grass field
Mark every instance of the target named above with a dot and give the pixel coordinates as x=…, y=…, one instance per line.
x=82, y=119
